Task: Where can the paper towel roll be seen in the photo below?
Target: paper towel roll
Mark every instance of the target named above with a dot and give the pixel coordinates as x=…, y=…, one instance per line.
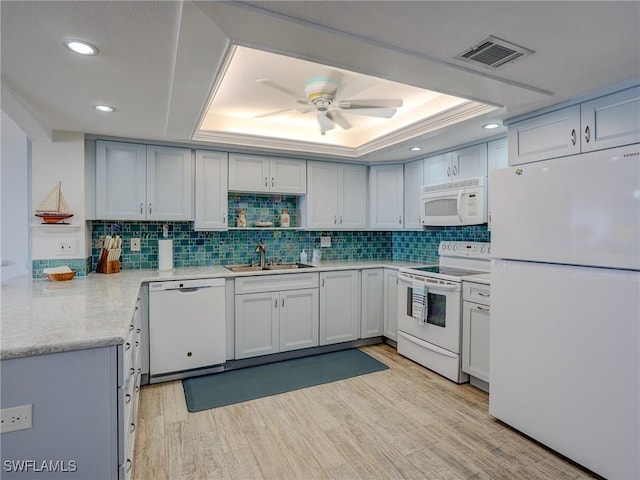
x=165, y=254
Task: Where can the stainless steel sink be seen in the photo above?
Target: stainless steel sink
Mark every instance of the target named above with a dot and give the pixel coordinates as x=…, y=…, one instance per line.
x=286, y=266
x=258, y=268
x=244, y=268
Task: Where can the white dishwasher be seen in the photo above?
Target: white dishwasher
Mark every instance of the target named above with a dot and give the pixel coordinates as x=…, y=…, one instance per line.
x=186, y=327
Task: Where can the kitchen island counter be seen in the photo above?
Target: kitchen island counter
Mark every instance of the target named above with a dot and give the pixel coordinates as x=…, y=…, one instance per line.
x=42, y=317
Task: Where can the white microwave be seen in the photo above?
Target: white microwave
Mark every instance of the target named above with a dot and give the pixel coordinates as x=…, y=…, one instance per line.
x=454, y=203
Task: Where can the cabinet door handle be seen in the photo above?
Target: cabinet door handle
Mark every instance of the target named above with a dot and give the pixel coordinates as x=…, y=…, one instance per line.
x=400, y=219
x=484, y=309
x=282, y=303
x=323, y=282
x=573, y=136
x=273, y=182
x=449, y=171
x=335, y=219
x=482, y=294
x=141, y=208
x=266, y=182
x=133, y=427
x=455, y=170
x=587, y=134
x=149, y=208
x=340, y=219
x=224, y=218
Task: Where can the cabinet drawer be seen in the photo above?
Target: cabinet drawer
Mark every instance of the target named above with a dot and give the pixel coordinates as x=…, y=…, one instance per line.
x=476, y=292
x=272, y=283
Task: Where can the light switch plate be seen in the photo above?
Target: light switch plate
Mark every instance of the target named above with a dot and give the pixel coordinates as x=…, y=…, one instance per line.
x=325, y=241
x=135, y=244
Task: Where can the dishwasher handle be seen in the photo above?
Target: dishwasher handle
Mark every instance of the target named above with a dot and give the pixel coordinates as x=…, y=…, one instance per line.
x=186, y=286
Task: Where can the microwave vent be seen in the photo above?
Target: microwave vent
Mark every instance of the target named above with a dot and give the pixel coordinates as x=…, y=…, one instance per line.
x=472, y=182
x=493, y=52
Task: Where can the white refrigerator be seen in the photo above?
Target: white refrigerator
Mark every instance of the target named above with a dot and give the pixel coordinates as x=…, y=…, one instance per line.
x=565, y=306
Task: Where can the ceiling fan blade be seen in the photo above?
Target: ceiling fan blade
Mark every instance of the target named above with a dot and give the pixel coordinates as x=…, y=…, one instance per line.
x=305, y=109
x=370, y=103
x=339, y=119
x=372, y=112
x=325, y=122
x=276, y=86
x=355, y=86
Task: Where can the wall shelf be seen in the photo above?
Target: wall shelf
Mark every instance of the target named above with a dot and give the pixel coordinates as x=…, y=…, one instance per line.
x=57, y=227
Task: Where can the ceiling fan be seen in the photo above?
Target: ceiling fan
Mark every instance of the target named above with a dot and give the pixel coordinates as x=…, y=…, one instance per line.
x=323, y=97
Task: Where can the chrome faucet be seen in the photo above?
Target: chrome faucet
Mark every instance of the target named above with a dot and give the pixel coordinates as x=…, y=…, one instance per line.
x=261, y=248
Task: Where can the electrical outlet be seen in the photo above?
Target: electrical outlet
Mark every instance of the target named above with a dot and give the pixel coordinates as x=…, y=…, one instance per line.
x=65, y=247
x=15, y=418
x=135, y=245
x=325, y=241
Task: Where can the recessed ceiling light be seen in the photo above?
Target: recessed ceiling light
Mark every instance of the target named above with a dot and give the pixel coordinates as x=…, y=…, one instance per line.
x=104, y=108
x=489, y=126
x=81, y=47
x=415, y=149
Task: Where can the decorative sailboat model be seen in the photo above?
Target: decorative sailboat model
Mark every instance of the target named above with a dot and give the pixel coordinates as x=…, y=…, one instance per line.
x=54, y=208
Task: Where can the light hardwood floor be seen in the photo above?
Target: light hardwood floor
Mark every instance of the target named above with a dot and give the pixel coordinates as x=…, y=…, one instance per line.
x=404, y=422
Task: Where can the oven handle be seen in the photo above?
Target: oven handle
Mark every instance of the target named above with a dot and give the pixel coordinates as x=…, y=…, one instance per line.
x=459, y=204
x=433, y=287
x=427, y=345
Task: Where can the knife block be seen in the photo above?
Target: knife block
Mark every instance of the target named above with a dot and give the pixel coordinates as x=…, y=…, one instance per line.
x=107, y=266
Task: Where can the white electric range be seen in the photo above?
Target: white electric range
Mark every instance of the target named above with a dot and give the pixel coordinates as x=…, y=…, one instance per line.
x=430, y=307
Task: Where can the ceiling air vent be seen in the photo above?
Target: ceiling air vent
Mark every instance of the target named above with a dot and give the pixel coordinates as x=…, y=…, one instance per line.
x=493, y=52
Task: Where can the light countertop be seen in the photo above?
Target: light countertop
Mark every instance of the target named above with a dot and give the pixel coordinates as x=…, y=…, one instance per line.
x=41, y=317
x=479, y=278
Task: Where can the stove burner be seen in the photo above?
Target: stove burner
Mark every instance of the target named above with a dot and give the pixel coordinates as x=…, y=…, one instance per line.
x=452, y=271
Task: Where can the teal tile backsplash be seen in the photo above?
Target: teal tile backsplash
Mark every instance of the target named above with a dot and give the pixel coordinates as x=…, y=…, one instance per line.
x=200, y=249
x=197, y=249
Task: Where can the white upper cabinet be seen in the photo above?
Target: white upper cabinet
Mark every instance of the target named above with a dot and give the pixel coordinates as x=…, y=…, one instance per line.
x=336, y=196
x=611, y=121
x=386, y=197
x=553, y=135
x=138, y=182
x=121, y=176
x=604, y=122
x=211, y=190
x=413, y=180
x=469, y=162
x=352, y=196
x=438, y=169
x=255, y=173
x=169, y=183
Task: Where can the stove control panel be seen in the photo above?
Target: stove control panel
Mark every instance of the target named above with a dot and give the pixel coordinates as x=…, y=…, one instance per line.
x=465, y=249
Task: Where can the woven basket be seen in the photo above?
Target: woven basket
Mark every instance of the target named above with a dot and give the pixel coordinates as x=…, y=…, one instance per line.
x=59, y=277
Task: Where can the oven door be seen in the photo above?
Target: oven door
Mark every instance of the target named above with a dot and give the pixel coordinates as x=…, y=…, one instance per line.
x=442, y=324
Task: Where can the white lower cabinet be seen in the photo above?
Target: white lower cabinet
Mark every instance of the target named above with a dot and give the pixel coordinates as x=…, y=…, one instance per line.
x=339, y=306
x=274, y=314
x=391, y=304
x=372, y=303
x=257, y=324
x=299, y=319
x=475, y=330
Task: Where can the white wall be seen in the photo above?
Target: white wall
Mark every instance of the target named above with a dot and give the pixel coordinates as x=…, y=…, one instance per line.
x=51, y=162
x=15, y=207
